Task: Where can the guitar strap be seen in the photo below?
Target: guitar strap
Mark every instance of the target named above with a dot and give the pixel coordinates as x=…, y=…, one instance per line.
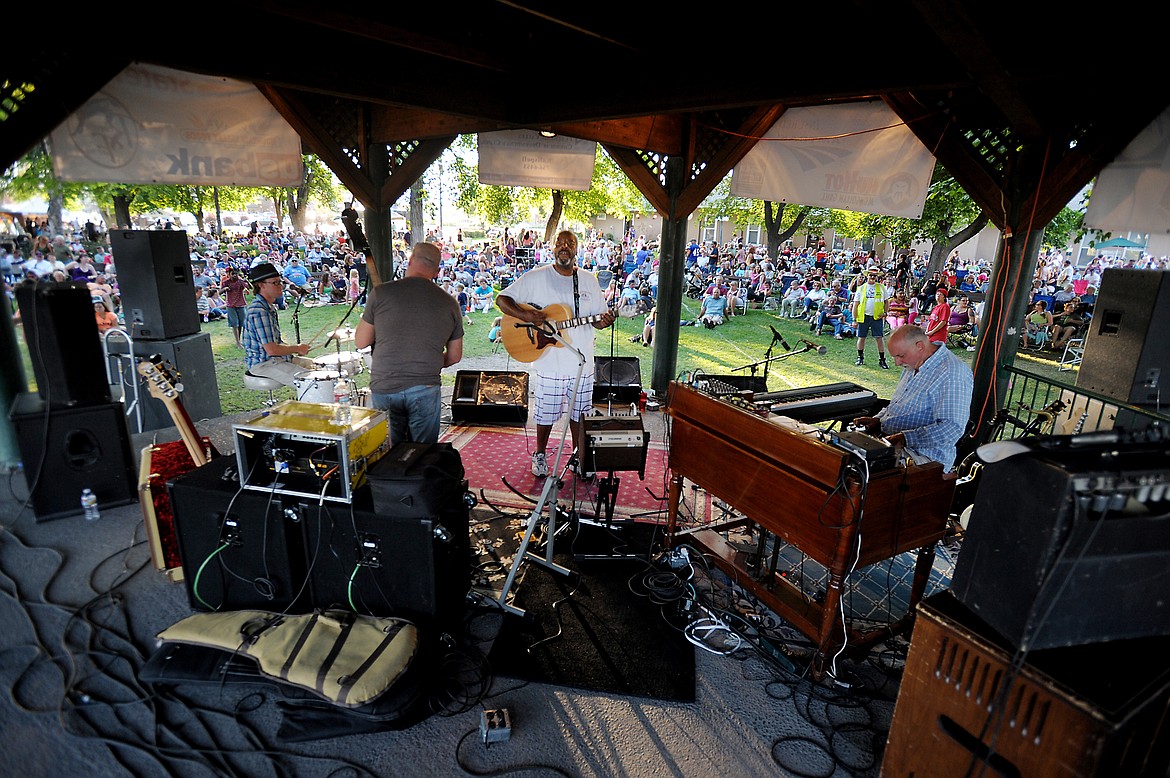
x=576, y=297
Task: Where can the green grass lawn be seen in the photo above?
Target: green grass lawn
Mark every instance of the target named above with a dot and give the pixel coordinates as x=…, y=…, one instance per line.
x=741, y=341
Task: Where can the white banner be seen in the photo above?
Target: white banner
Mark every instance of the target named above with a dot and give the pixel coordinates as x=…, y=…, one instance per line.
x=853, y=156
x=153, y=125
x=527, y=158
x=1132, y=193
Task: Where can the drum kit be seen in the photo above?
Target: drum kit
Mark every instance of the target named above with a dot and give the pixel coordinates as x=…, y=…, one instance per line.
x=317, y=385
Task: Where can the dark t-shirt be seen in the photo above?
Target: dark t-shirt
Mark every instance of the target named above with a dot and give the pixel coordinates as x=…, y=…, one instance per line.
x=413, y=320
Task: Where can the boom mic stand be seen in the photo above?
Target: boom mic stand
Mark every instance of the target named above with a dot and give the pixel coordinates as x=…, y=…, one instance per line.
x=548, y=499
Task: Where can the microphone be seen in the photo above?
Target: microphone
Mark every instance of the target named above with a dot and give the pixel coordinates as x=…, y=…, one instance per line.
x=780, y=338
x=817, y=347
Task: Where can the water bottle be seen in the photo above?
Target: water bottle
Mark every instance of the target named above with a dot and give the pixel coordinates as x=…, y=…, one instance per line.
x=343, y=399
x=89, y=505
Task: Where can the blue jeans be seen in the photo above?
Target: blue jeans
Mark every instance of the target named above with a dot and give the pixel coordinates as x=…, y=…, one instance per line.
x=413, y=413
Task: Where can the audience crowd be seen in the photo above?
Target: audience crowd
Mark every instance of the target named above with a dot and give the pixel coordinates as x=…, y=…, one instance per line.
x=814, y=284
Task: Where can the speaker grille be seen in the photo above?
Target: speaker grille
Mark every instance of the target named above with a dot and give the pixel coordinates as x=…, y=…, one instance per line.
x=619, y=373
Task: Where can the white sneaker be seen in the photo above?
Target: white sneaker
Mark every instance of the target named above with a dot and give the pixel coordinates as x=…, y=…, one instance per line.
x=539, y=465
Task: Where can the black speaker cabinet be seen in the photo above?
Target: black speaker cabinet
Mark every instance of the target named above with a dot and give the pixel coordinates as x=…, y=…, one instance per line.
x=615, y=443
x=65, y=450
x=190, y=361
x=490, y=396
x=63, y=344
x=241, y=549
x=155, y=282
x=617, y=379
x=1126, y=346
x=386, y=564
x=1071, y=545
x=964, y=708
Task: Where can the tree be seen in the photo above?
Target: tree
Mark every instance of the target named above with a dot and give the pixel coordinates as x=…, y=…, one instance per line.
x=949, y=218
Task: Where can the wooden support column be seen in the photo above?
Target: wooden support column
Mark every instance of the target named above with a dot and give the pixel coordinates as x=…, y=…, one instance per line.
x=671, y=253
x=377, y=222
x=1007, y=301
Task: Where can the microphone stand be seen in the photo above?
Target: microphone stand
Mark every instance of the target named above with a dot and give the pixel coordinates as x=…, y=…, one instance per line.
x=296, y=316
x=548, y=498
x=776, y=358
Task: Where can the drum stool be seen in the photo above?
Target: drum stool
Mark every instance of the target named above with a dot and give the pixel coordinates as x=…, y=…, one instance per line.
x=260, y=384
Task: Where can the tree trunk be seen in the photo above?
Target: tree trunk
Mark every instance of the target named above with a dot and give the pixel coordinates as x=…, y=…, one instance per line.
x=940, y=250
x=554, y=217
x=122, y=212
x=55, y=209
x=772, y=225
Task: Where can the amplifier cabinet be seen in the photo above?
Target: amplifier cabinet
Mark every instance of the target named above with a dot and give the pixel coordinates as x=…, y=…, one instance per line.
x=1096, y=710
x=240, y=549
x=614, y=443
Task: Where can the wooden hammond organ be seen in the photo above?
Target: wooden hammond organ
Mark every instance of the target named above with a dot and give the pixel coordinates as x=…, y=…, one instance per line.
x=800, y=489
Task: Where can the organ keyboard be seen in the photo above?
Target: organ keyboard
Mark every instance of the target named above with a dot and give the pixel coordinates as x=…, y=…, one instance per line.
x=805, y=492
x=820, y=403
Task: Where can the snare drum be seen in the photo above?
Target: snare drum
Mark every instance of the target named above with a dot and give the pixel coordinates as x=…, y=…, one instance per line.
x=316, y=386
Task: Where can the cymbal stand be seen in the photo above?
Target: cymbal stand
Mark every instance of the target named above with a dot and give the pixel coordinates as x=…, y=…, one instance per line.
x=548, y=500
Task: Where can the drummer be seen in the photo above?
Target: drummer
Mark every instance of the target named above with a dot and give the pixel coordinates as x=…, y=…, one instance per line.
x=416, y=330
x=265, y=354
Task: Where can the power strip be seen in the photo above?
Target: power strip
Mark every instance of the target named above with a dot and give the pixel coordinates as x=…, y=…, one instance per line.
x=495, y=726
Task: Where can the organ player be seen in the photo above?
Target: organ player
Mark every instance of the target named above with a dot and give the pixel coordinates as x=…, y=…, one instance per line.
x=931, y=404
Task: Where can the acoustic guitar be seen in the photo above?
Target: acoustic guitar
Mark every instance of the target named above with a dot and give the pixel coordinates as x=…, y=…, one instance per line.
x=526, y=342
x=162, y=462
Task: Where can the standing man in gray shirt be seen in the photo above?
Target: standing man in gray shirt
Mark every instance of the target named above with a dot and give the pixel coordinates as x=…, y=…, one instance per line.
x=416, y=330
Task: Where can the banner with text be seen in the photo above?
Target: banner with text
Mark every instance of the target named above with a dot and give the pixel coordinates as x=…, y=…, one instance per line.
x=853, y=156
x=1132, y=193
x=154, y=125
x=527, y=158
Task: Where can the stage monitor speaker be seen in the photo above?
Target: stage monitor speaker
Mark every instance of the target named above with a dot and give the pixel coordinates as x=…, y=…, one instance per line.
x=63, y=344
x=381, y=564
x=966, y=708
x=155, y=283
x=1071, y=545
x=617, y=379
x=241, y=549
x=615, y=443
x=1126, y=346
x=490, y=396
x=65, y=450
x=189, y=359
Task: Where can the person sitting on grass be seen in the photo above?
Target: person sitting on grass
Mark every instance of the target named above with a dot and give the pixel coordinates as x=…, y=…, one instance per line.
x=714, y=308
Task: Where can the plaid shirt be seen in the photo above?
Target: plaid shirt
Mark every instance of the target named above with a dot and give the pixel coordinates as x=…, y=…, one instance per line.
x=260, y=326
x=930, y=407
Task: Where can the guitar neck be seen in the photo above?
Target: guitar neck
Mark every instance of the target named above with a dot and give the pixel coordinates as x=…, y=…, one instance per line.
x=570, y=323
x=163, y=387
x=188, y=433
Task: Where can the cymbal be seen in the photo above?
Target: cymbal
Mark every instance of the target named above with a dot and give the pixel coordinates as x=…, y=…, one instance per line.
x=345, y=333
x=343, y=358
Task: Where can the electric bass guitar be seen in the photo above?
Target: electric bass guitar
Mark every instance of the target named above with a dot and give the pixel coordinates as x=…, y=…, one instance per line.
x=526, y=342
x=162, y=462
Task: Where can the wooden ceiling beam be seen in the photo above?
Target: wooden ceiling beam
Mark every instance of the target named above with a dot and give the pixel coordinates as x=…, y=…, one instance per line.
x=321, y=143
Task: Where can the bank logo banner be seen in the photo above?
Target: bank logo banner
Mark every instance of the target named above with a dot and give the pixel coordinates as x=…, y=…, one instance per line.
x=154, y=125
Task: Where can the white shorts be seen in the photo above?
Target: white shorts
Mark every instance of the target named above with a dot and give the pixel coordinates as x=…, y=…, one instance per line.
x=552, y=395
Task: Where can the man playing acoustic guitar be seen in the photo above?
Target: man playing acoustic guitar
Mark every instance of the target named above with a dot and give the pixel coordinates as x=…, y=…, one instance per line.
x=561, y=298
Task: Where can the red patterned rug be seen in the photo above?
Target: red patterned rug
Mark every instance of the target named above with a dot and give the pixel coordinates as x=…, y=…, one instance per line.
x=497, y=461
